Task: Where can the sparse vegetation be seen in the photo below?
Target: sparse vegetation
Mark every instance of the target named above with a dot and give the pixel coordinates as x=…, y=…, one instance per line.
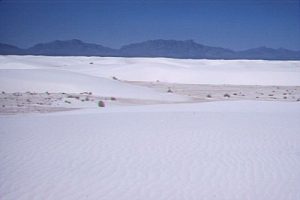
x=113, y=98
x=69, y=102
x=208, y=96
x=227, y=95
x=115, y=78
x=170, y=91
x=101, y=104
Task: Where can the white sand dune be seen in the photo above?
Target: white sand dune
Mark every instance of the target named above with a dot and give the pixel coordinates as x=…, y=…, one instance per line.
x=53, y=80
x=221, y=150
x=230, y=150
x=238, y=72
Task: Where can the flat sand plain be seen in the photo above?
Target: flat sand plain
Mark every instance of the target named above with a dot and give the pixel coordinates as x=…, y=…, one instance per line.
x=31, y=102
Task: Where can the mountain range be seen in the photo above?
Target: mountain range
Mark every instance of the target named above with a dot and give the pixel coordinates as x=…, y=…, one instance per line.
x=150, y=48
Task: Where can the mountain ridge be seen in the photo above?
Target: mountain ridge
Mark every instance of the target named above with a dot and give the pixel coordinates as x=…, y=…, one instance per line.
x=188, y=49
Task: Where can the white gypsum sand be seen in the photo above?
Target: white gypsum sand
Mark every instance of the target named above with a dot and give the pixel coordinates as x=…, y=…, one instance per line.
x=220, y=150
x=174, y=149
x=188, y=71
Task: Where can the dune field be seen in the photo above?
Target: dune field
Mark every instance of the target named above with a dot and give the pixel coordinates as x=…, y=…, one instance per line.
x=169, y=129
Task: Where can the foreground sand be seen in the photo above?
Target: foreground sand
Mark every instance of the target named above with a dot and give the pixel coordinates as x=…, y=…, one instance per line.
x=214, y=151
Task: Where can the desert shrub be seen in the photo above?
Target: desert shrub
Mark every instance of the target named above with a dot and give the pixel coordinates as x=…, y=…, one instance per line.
x=234, y=93
x=113, y=98
x=208, y=96
x=87, y=99
x=285, y=97
x=271, y=95
x=68, y=102
x=115, y=78
x=91, y=63
x=298, y=99
x=226, y=95
x=101, y=104
x=3, y=92
x=170, y=91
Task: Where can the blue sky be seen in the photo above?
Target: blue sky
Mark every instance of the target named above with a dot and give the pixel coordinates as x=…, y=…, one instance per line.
x=235, y=24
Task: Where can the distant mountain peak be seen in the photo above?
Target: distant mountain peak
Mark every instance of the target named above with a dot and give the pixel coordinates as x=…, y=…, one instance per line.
x=150, y=48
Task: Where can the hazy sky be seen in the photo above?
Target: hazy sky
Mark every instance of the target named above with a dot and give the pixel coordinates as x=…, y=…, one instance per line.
x=236, y=24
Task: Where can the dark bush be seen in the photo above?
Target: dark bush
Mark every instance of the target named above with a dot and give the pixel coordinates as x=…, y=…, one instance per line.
x=101, y=104
x=113, y=98
x=226, y=95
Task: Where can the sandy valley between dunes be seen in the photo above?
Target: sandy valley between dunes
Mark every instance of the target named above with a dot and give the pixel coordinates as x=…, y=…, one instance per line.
x=13, y=103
